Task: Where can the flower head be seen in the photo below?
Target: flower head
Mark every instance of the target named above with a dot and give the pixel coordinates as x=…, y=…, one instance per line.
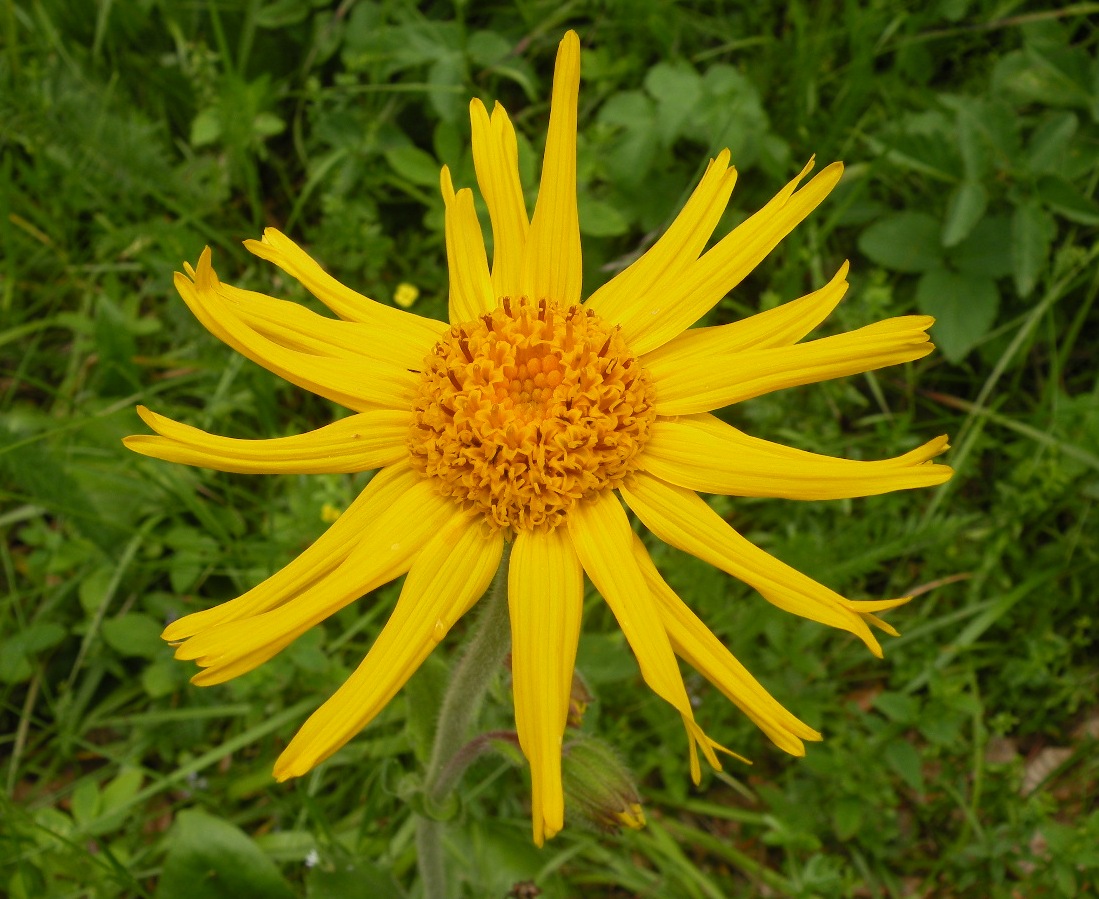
x=528, y=419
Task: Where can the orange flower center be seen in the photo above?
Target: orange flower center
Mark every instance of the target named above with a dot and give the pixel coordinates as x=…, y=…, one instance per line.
x=528, y=410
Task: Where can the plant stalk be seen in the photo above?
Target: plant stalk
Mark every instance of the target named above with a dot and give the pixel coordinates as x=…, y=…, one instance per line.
x=488, y=645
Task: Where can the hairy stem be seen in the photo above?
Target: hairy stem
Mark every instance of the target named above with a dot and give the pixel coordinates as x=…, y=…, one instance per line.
x=488, y=645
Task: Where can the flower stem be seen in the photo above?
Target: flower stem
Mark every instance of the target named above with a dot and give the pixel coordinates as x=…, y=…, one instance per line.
x=485, y=652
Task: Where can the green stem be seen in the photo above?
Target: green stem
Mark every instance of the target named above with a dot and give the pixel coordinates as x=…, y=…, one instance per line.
x=485, y=652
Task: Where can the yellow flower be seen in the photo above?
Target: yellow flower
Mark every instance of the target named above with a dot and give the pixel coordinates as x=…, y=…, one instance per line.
x=406, y=294
x=525, y=420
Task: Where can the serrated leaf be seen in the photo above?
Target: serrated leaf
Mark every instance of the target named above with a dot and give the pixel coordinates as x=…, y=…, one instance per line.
x=966, y=207
x=1032, y=231
x=414, y=164
x=731, y=114
x=676, y=89
x=212, y=858
x=630, y=154
x=964, y=307
x=903, y=242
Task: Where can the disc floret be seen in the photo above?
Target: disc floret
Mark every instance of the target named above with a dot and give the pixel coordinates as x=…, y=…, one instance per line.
x=529, y=409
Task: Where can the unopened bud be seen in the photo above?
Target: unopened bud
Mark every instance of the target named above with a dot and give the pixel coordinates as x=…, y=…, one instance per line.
x=599, y=788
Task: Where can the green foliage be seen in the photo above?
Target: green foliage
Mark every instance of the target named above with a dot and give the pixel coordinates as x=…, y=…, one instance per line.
x=133, y=134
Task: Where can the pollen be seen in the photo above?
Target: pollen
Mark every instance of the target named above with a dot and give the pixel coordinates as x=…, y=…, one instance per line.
x=529, y=410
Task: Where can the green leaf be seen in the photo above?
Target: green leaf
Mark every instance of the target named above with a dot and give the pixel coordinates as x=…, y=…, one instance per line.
x=447, y=77
x=630, y=155
x=122, y=789
x=964, y=307
x=848, y=814
x=987, y=250
x=267, y=124
x=282, y=14
x=206, y=127
x=487, y=48
x=162, y=678
x=85, y=802
x=414, y=164
x=1032, y=231
x=134, y=634
x=1050, y=142
x=17, y=650
x=212, y=858
x=600, y=219
x=731, y=114
x=423, y=695
x=677, y=89
x=93, y=588
x=604, y=659
x=904, y=242
x=966, y=207
x=897, y=707
x=905, y=761
x=1064, y=199
x=360, y=880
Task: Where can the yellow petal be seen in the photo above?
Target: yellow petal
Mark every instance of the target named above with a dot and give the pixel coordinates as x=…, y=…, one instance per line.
x=496, y=159
x=470, y=285
x=386, y=547
x=297, y=328
x=624, y=297
x=699, y=648
x=545, y=601
x=603, y=540
x=723, y=267
x=781, y=326
x=551, y=258
x=398, y=326
x=448, y=576
x=360, y=442
x=358, y=383
x=681, y=519
x=701, y=452
x=313, y=565
x=686, y=382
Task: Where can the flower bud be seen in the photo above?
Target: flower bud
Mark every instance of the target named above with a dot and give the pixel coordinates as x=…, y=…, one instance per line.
x=599, y=789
